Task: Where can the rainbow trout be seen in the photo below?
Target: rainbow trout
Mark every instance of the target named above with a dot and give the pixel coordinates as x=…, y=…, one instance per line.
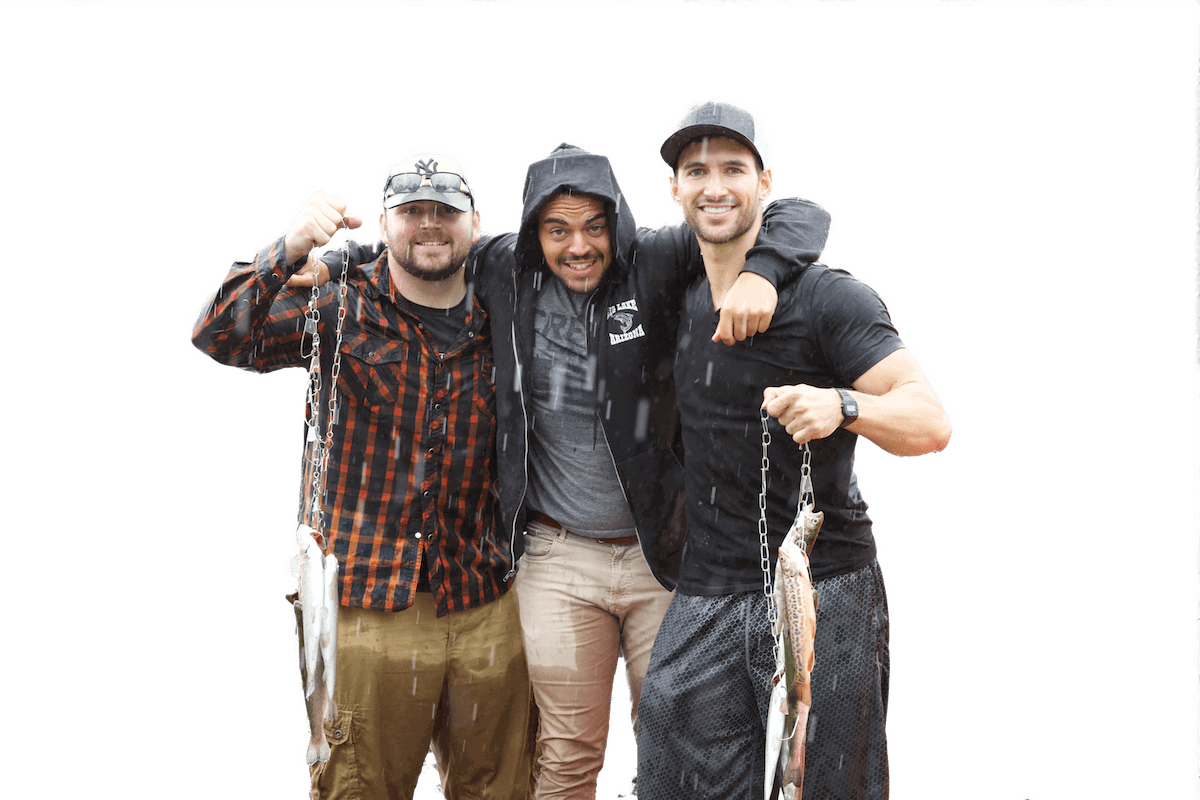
x=791, y=694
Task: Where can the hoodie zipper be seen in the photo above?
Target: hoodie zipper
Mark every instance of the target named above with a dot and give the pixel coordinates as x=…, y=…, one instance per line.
x=512, y=541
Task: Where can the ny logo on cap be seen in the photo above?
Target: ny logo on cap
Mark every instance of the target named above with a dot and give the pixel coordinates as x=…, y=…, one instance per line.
x=427, y=167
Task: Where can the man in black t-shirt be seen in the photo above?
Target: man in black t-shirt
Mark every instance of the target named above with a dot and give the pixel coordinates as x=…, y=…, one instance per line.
x=830, y=368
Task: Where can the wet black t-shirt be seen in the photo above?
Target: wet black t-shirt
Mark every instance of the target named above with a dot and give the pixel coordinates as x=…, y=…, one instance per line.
x=828, y=329
x=443, y=324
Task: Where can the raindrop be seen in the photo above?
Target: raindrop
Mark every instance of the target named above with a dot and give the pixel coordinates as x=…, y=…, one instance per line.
x=589, y=377
x=558, y=379
x=492, y=657
x=708, y=375
x=358, y=627
x=643, y=420
x=414, y=687
x=414, y=666
x=712, y=497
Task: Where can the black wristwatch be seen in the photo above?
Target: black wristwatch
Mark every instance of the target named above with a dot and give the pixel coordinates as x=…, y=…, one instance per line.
x=849, y=408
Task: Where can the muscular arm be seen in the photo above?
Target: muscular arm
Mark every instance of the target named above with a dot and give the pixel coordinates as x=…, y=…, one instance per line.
x=897, y=408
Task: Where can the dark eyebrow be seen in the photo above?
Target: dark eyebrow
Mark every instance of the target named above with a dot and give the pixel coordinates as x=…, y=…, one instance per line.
x=733, y=161
x=556, y=221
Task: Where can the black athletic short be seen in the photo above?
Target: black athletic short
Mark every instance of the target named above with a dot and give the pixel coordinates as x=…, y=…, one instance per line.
x=702, y=716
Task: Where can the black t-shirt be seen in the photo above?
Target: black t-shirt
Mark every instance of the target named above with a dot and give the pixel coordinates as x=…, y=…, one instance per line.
x=828, y=329
x=443, y=324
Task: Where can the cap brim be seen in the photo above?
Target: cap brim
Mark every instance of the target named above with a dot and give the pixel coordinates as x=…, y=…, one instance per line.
x=456, y=200
x=675, y=143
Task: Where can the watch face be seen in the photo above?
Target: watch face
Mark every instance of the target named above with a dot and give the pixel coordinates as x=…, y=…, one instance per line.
x=849, y=407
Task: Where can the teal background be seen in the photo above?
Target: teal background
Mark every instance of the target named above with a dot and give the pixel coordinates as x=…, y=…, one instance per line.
x=1018, y=182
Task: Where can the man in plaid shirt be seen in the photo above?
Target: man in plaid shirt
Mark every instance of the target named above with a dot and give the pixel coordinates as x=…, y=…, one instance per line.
x=432, y=649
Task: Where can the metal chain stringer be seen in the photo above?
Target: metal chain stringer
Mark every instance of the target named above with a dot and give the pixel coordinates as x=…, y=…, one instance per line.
x=322, y=446
x=806, y=498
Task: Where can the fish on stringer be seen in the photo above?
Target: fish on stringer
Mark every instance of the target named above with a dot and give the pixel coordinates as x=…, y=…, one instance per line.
x=791, y=692
x=316, y=606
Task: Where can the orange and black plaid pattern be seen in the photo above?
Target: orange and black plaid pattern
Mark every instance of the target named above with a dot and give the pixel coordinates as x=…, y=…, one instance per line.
x=411, y=470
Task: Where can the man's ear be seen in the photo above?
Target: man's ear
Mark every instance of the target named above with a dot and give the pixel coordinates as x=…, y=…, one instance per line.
x=475, y=228
x=383, y=228
x=675, y=191
x=764, y=184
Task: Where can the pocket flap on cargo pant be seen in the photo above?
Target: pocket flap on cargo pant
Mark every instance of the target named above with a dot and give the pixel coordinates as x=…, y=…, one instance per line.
x=341, y=730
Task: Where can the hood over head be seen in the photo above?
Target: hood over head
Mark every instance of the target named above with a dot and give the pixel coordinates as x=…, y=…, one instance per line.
x=573, y=169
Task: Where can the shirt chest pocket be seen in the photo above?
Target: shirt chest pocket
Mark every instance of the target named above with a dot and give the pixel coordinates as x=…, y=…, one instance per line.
x=375, y=370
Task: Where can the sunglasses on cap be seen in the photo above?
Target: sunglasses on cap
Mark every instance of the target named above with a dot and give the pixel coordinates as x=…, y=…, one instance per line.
x=407, y=182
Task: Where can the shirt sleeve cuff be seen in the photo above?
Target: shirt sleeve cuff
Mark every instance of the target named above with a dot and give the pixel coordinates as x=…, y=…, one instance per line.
x=271, y=266
x=769, y=265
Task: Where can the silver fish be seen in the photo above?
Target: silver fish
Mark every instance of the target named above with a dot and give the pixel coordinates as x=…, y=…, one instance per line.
x=316, y=606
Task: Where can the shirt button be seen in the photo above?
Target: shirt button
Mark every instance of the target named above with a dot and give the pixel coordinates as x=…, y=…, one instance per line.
x=417, y=535
x=431, y=451
x=337, y=734
x=437, y=406
x=425, y=494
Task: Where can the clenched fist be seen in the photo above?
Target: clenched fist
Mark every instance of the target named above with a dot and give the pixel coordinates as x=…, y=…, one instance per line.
x=322, y=215
x=805, y=412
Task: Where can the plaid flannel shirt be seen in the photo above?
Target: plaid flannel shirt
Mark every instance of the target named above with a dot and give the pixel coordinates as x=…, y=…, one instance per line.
x=411, y=469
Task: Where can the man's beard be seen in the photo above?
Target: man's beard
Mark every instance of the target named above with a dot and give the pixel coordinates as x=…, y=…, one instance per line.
x=743, y=223
x=431, y=273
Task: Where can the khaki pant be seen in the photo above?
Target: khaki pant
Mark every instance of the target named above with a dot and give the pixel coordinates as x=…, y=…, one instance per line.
x=583, y=603
x=406, y=680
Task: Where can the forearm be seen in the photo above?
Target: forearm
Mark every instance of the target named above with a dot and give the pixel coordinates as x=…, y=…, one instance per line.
x=897, y=409
x=792, y=235
x=253, y=321
x=906, y=421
